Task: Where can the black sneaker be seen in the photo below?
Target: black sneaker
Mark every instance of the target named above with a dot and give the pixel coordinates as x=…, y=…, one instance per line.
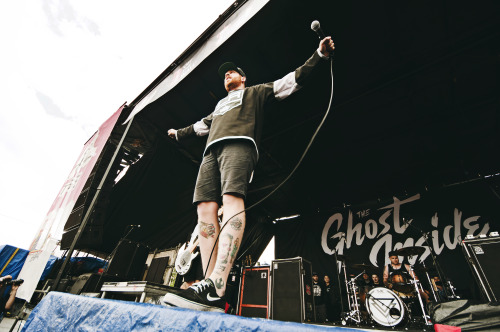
x=200, y=296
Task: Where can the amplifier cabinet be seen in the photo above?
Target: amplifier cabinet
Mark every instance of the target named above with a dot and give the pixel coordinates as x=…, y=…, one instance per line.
x=128, y=261
x=482, y=255
x=253, y=300
x=292, y=297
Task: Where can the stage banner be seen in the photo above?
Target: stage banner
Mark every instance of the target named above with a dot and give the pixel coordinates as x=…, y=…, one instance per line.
x=437, y=220
x=32, y=271
x=60, y=210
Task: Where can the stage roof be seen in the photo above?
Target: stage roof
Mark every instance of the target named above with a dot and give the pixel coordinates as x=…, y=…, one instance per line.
x=415, y=107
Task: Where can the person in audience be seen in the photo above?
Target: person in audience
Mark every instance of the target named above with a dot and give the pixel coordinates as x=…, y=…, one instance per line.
x=376, y=282
x=7, y=303
x=319, y=298
x=332, y=300
x=365, y=285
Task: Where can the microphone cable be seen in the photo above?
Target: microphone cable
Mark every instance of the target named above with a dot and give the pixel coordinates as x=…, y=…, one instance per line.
x=287, y=178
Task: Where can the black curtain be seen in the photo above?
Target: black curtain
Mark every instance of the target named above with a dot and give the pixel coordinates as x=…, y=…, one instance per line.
x=156, y=193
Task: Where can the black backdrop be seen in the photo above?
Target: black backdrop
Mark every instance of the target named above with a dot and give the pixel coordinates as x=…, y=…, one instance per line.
x=373, y=229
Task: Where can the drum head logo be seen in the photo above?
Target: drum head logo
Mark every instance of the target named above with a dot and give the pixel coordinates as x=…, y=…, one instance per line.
x=385, y=307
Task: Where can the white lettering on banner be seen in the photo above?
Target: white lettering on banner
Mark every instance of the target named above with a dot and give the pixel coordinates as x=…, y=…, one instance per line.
x=396, y=207
x=369, y=229
x=363, y=213
x=358, y=230
x=340, y=245
x=435, y=236
x=382, y=222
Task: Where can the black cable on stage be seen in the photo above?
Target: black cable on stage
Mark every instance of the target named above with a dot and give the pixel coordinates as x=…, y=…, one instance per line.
x=289, y=175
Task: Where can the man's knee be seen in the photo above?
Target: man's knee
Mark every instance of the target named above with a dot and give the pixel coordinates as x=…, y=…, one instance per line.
x=207, y=208
x=232, y=199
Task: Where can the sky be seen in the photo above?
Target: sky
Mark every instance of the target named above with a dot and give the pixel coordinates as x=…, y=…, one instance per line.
x=65, y=67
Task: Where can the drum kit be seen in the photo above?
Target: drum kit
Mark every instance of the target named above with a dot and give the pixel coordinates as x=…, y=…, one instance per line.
x=402, y=305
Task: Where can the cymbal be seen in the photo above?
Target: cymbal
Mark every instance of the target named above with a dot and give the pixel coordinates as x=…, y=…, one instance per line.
x=364, y=267
x=410, y=251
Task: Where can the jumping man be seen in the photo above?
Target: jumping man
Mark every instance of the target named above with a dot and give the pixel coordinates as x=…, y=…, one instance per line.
x=230, y=156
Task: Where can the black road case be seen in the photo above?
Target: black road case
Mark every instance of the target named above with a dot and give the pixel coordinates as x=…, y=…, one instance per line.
x=292, y=297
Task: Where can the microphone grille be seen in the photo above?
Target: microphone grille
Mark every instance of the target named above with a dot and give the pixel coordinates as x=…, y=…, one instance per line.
x=315, y=26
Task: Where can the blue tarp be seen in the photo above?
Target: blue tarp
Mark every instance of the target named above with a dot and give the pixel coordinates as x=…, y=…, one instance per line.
x=79, y=264
x=82, y=265
x=17, y=262
x=14, y=266
x=50, y=263
x=67, y=312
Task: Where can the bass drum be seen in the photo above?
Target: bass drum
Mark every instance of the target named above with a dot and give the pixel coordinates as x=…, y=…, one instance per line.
x=385, y=307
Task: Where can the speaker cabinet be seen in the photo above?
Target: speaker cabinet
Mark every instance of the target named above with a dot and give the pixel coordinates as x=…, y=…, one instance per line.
x=482, y=255
x=92, y=236
x=64, y=285
x=253, y=300
x=90, y=283
x=157, y=269
x=129, y=261
x=292, y=297
x=80, y=282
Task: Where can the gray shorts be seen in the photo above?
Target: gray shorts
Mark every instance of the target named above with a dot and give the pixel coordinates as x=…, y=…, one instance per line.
x=226, y=169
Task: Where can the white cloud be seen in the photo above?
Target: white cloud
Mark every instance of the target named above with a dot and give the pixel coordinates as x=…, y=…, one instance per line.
x=65, y=67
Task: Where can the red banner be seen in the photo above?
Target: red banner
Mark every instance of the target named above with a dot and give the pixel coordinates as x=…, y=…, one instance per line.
x=60, y=210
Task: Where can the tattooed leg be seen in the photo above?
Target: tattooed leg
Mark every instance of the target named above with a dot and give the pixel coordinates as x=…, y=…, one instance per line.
x=219, y=283
x=229, y=241
x=234, y=251
x=209, y=229
x=206, y=230
x=225, y=247
x=236, y=223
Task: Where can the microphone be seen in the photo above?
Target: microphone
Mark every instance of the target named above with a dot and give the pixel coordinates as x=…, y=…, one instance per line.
x=316, y=27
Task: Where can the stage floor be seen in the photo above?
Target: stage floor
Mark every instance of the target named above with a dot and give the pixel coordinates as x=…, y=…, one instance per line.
x=67, y=312
x=6, y=325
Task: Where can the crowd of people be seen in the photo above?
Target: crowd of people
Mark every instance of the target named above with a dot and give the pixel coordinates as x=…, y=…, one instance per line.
x=395, y=276
x=327, y=294
x=326, y=299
